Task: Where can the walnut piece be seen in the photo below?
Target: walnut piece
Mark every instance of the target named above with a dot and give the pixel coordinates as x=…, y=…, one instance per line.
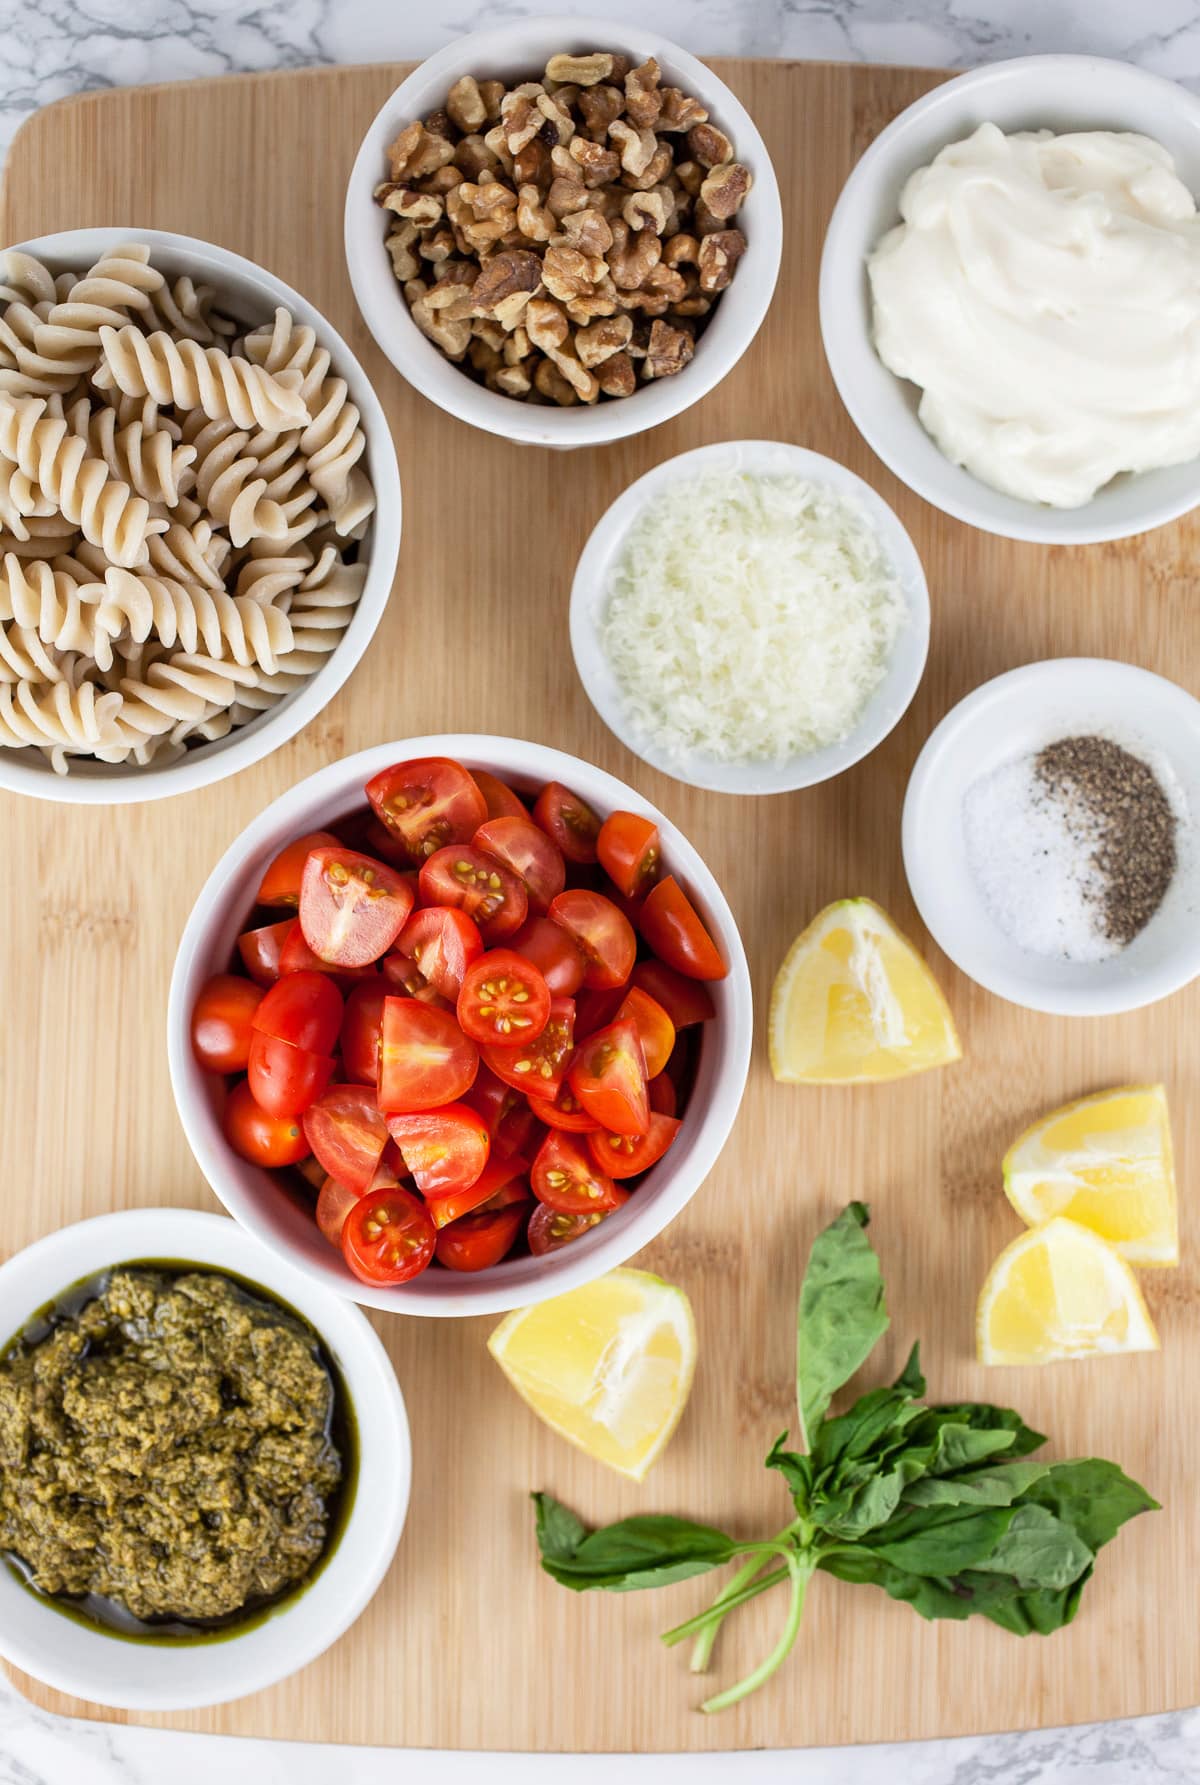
x=669, y=351
x=724, y=188
x=465, y=106
x=554, y=235
x=583, y=71
x=643, y=100
x=601, y=339
x=719, y=255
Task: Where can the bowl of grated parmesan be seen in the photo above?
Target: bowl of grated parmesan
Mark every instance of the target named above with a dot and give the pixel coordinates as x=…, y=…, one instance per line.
x=750, y=617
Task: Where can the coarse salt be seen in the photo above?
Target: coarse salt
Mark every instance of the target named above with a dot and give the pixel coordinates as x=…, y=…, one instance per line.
x=1032, y=858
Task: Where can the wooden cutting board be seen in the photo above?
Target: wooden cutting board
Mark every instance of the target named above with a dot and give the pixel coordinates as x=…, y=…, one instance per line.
x=468, y=1644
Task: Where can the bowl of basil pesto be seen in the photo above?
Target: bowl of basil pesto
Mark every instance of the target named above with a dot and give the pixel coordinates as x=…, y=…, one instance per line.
x=190, y=1506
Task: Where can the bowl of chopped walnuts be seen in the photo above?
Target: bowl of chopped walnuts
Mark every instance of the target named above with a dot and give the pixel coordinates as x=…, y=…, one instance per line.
x=563, y=231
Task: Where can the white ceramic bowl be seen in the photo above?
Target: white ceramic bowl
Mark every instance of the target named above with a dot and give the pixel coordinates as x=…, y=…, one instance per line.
x=598, y=562
x=517, y=50
x=254, y=1196
x=86, y=1661
x=1038, y=92
x=1016, y=714
x=251, y=294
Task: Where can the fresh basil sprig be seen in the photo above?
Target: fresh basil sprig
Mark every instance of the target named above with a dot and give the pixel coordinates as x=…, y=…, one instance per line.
x=938, y=1505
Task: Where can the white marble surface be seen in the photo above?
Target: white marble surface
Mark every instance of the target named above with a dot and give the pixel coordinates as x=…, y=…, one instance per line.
x=49, y=48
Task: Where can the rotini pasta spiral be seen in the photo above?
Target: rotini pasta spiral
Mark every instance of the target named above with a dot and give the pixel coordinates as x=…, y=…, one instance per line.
x=333, y=442
x=180, y=500
x=194, y=618
x=108, y=512
x=147, y=460
x=195, y=377
x=120, y=282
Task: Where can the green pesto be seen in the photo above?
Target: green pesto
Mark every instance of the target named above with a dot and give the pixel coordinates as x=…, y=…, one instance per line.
x=293, y=1348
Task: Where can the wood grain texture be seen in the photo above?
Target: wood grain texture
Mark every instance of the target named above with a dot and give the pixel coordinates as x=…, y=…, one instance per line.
x=467, y=1644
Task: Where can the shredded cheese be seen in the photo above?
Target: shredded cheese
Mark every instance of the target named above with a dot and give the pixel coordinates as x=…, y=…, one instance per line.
x=750, y=618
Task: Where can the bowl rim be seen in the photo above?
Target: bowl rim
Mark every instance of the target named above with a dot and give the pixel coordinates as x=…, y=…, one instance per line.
x=321, y=1611
x=616, y=1239
x=884, y=709
x=1146, y=986
x=117, y=784
x=426, y=369
x=842, y=267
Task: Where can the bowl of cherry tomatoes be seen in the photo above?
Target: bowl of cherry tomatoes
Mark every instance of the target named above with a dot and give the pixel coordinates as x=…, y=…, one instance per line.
x=459, y=1023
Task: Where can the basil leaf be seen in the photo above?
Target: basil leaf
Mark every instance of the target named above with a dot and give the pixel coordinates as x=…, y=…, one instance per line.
x=981, y=1416
x=932, y=1598
x=910, y=1380
x=796, y=1470
x=842, y=1314
x=559, y=1532
x=998, y=1485
x=631, y=1554
x=852, y=1513
x=1038, y=1550
x=940, y=1540
x=1039, y=1613
x=1093, y=1496
x=880, y=1415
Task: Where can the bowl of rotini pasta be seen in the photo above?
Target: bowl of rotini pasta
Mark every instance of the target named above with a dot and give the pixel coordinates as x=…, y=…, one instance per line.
x=199, y=514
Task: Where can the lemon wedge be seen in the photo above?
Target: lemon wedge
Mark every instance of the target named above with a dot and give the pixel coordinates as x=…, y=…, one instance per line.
x=609, y=1366
x=1060, y=1291
x=1104, y=1161
x=854, y=1003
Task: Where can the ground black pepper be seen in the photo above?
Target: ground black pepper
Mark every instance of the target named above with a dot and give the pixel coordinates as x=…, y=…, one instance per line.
x=1120, y=796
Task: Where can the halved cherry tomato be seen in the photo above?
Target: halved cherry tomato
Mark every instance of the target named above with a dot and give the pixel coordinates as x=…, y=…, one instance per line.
x=504, y=1000
x=502, y=802
x=472, y=881
x=221, y=1022
x=603, y=935
x=662, y=1096
x=629, y=852
x=476, y=1242
x=334, y=1202
x=685, y=1000
x=425, y=1060
x=352, y=907
x=552, y=951
x=608, y=1076
x=388, y=1237
x=566, y=1112
x=672, y=927
x=426, y=804
x=303, y=1008
x=281, y=882
x=260, y=950
x=402, y=978
x=443, y=943
x=596, y=1010
x=296, y=956
x=548, y=1229
x=506, y=1113
x=495, y=1177
x=654, y=1027
x=285, y=1080
x=566, y=1177
x=539, y=1067
x=362, y=1026
x=514, y=1191
x=526, y=850
x=261, y=1138
x=347, y=1133
x=445, y=1149
x=625, y=1155
x=568, y=821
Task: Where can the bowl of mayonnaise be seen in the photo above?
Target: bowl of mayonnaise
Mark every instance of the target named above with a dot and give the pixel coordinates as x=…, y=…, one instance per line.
x=1010, y=299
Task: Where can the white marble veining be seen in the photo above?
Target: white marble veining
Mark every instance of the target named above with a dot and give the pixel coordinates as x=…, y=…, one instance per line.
x=50, y=48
